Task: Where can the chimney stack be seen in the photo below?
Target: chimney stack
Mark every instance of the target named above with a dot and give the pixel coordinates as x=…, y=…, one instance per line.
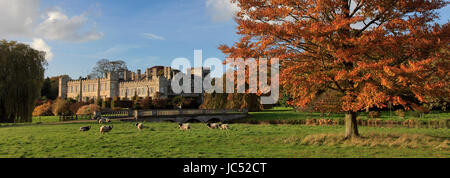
x=148, y=73
x=154, y=72
x=138, y=74
x=132, y=76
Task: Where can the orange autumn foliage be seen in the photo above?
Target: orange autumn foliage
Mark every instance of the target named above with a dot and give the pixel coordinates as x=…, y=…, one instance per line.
x=371, y=52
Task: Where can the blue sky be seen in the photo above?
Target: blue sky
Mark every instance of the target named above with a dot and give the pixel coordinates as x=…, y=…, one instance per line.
x=143, y=33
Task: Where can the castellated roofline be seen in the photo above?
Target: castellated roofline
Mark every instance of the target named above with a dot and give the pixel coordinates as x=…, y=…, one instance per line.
x=89, y=80
x=136, y=82
x=112, y=85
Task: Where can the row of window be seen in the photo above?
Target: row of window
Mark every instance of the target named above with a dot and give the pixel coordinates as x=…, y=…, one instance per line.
x=138, y=91
x=90, y=88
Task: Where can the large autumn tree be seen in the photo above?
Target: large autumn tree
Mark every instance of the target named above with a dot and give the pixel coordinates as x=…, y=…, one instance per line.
x=371, y=52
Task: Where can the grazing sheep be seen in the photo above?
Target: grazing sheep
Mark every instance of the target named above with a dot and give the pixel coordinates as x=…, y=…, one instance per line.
x=183, y=126
x=104, y=120
x=212, y=125
x=140, y=126
x=223, y=126
x=104, y=129
x=84, y=129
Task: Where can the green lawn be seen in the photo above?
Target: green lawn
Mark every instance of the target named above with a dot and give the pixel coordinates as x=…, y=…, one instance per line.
x=280, y=113
x=163, y=140
x=243, y=140
x=45, y=119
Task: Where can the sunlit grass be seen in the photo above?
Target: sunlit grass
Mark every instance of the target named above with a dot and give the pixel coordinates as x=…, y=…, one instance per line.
x=282, y=113
x=243, y=140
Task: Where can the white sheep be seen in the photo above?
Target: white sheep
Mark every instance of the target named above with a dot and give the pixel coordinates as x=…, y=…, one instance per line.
x=223, y=126
x=104, y=120
x=184, y=126
x=140, y=126
x=84, y=129
x=212, y=125
x=104, y=129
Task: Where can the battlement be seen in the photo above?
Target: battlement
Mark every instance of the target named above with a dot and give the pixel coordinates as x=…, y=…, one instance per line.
x=126, y=84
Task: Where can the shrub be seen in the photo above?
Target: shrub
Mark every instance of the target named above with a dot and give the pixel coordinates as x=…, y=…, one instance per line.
x=400, y=113
x=99, y=102
x=71, y=101
x=416, y=114
x=75, y=106
x=43, y=110
x=115, y=101
x=160, y=103
x=116, y=109
x=61, y=107
x=88, y=109
x=125, y=103
x=146, y=103
x=178, y=102
x=136, y=106
x=40, y=102
x=134, y=98
x=103, y=104
x=373, y=114
x=91, y=101
x=190, y=103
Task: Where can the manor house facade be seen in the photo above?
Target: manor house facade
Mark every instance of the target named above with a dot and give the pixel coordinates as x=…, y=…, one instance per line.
x=155, y=81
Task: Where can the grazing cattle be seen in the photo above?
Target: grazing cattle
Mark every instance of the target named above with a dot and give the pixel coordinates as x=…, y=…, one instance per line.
x=183, y=126
x=84, y=129
x=104, y=129
x=140, y=126
x=212, y=125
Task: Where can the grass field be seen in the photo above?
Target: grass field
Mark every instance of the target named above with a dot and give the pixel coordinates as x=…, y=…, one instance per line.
x=45, y=138
x=280, y=113
x=165, y=140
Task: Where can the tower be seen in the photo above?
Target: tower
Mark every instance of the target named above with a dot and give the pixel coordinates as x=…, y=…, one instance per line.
x=62, y=87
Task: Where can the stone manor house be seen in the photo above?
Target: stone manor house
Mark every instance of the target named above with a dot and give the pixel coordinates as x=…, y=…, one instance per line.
x=155, y=80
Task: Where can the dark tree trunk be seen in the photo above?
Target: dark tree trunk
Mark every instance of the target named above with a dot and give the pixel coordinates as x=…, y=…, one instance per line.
x=351, y=125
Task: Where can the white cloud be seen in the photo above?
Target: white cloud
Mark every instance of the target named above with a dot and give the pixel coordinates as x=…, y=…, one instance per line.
x=118, y=49
x=152, y=36
x=17, y=17
x=39, y=44
x=20, y=18
x=58, y=26
x=221, y=10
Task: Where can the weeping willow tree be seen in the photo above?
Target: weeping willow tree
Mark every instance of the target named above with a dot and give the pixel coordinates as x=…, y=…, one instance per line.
x=21, y=79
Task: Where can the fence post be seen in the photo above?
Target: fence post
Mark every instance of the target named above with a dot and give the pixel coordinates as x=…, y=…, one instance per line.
x=130, y=114
x=136, y=114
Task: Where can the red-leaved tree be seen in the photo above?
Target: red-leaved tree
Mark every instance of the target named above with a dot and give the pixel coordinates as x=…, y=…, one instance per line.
x=371, y=52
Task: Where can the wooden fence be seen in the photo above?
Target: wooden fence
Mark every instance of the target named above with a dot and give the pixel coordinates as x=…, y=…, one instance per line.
x=156, y=113
x=74, y=118
x=115, y=114
x=164, y=112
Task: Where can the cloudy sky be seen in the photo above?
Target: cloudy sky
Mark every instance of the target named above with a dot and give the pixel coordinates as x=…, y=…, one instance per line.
x=77, y=33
